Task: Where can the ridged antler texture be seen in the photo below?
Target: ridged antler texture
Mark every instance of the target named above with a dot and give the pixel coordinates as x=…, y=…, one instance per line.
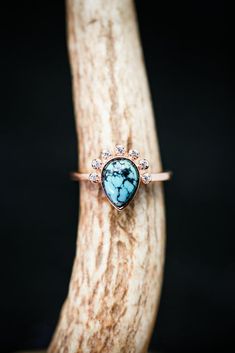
x=117, y=274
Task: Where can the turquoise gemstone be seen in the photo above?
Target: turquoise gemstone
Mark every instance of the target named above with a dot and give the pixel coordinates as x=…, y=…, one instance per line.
x=120, y=179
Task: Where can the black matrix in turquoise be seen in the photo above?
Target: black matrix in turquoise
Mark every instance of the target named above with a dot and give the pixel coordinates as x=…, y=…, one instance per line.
x=120, y=180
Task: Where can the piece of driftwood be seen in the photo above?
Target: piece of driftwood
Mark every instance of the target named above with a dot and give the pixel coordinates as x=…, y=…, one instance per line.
x=117, y=274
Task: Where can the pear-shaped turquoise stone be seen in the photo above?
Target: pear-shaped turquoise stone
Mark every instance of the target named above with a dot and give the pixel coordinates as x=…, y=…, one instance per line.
x=120, y=179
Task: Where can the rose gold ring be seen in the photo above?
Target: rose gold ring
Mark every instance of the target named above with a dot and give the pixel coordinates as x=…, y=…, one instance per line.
x=120, y=175
x=161, y=176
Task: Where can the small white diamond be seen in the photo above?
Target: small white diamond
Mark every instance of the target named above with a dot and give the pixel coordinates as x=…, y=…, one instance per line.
x=105, y=154
x=134, y=154
x=94, y=177
x=143, y=164
x=146, y=178
x=96, y=163
x=120, y=150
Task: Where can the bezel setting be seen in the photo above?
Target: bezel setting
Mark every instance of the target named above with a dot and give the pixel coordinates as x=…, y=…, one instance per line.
x=121, y=158
x=120, y=153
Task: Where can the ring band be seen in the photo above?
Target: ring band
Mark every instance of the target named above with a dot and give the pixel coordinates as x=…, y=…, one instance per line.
x=120, y=174
x=161, y=176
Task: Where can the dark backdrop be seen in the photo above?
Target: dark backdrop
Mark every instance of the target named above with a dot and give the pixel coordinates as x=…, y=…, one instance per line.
x=190, y=69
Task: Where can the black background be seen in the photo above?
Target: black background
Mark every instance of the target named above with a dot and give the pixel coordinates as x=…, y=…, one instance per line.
x=187, y=48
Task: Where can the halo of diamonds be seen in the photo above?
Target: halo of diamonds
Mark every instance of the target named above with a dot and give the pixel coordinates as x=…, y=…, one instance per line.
x=106, y=155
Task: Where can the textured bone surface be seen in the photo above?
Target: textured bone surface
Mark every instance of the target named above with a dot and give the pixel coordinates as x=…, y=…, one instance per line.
x=117, y=274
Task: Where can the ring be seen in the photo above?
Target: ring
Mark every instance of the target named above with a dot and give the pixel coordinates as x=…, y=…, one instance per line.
x=120, y=175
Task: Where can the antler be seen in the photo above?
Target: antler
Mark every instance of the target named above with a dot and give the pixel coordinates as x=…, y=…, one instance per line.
x=117, y=274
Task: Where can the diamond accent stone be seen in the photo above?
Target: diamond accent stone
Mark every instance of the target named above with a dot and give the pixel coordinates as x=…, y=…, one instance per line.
x=96, y=163
x=94, y=177
x=143, y=164
x=134, y=154
x=120, y=150
x=146, y=178
x=105, y=154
